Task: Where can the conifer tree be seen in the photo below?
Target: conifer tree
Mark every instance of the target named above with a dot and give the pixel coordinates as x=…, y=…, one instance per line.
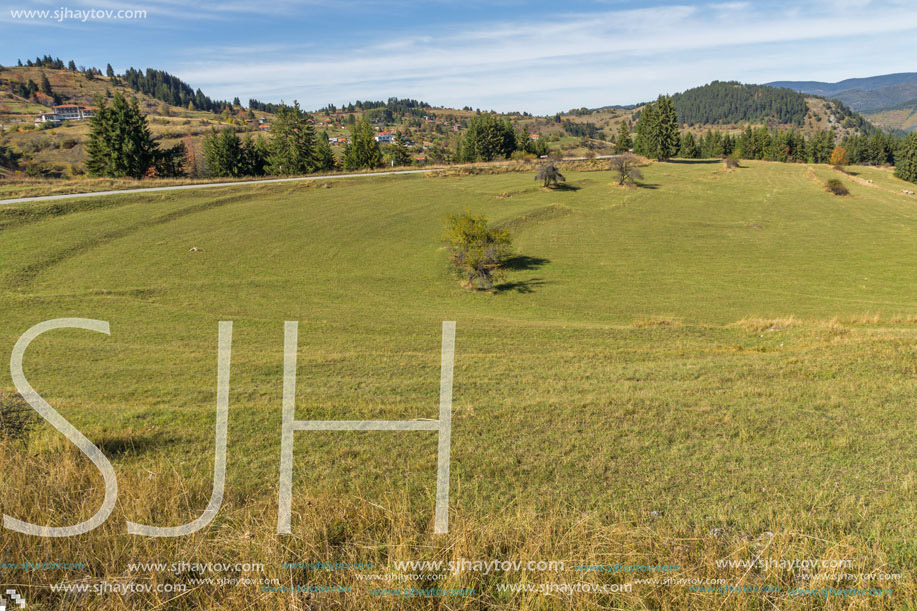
x=623, y=142
x=362, y=152
x=292, y=142
x=120, y=143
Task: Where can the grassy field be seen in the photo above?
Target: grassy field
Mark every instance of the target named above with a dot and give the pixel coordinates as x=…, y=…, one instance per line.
x=714, y=366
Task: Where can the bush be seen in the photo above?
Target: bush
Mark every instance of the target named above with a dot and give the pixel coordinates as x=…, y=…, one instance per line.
x=731, y=162
x=837, y=187
x=625, y=166
x=16, y=416
x=476, y=251
x=549, y=174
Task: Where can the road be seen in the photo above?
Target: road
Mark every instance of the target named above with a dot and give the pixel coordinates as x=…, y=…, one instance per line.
x=210, y=185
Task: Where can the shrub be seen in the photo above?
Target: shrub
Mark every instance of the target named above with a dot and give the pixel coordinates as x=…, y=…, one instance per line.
x=16, y=417
x=837, y=187
x=731, y=162
x=549, y=174
x=477, y=252
x=625, y=166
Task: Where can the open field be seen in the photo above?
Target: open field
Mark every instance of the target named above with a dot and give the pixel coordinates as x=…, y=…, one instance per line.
x=715, y=366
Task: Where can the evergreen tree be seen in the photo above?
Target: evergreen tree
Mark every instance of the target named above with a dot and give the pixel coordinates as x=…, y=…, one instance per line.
x=292, y=142
x=644, y=143
x=906, y=159
x=623, y=142
x=362, y=152
x=324, y=156
x=689, y=148
x=70, y=66
x=399, y=153
x=223, y=153
x=120, y=143
x=46, y=85
x=109, y=71
x=667, y=140
x=657, y=130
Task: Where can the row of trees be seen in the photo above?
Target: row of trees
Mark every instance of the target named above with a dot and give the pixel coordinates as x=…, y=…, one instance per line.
x=488, y=138
x=170, y=89
x=121, y=145
x=292, y=149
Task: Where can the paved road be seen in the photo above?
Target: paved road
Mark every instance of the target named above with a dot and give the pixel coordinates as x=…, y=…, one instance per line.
x=210, y=185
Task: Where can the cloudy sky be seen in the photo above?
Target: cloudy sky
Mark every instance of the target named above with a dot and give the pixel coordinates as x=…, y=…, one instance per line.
x=496, y=54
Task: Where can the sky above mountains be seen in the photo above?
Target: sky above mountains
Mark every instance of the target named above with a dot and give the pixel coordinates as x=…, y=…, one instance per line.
x=501, y=54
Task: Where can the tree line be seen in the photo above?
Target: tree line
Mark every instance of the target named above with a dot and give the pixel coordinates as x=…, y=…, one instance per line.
x=488, y=137
x=658, y=137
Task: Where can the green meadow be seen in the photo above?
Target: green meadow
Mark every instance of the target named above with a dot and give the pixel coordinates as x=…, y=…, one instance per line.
x=715, y=365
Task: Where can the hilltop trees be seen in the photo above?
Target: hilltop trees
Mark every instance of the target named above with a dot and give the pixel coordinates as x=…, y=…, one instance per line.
x=657, y=130
x=120, y=144
x=732, y=102
x=362, y=152
x=906, y=159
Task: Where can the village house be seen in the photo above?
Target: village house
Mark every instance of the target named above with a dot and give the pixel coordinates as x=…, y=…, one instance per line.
x=65, y=112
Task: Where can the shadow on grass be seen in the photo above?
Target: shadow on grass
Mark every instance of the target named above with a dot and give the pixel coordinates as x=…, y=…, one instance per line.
x=647, y=185
x=127, y=446
x=520, y=286
x=563, y=187
x=524, y=262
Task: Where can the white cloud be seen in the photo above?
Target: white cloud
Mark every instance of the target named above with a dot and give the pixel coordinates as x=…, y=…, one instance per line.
x=574, y=59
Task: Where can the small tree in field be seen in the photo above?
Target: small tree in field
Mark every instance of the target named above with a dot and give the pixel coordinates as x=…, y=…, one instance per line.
x=549, y=174
x=838, y=157
x=626, y=168
x=476, y=251
x=837, y=187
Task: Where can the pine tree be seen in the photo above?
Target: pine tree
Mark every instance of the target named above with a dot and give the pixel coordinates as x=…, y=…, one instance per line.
x=623, y=142
x=689, y=148
x=292, y=142
x=120, y=143
x=906, y=159
x=223, y=153
x=362, y=152
x=645, y=143
x=109, y=71
x=324, y=156
x=46, y=85
x=399, y=153
x=666, y=139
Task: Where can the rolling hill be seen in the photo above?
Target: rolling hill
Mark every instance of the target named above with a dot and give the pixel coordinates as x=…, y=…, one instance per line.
x=660, y=364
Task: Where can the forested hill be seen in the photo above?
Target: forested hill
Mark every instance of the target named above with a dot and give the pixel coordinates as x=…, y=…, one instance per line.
x=722, y=103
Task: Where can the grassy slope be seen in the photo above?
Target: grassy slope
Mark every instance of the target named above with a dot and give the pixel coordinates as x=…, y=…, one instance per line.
x=605, y=382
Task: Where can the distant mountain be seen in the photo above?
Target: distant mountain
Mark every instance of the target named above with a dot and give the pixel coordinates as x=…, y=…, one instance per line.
x=862, y=94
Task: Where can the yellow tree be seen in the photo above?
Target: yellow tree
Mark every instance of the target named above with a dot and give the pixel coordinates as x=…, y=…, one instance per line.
x=838, y=157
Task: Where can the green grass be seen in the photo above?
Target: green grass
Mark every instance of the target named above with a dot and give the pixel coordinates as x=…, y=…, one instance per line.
x=727, y=352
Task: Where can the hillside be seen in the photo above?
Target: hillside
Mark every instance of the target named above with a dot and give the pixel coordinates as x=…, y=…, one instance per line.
x=746, y=328
x=888, y=101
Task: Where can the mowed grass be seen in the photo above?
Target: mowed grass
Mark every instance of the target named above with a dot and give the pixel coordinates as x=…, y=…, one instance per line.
x=715, y=365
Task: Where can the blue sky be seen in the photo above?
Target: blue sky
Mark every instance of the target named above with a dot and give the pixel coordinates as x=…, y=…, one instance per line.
x=500, y=54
